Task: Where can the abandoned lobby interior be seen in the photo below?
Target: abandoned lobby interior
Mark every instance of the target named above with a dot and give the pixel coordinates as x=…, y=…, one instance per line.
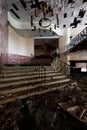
x=39, y=91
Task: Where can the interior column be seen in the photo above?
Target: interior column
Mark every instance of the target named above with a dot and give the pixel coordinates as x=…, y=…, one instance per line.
x=3, y=32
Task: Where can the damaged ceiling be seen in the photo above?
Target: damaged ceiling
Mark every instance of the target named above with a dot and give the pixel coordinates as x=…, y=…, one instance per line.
x=65, y=14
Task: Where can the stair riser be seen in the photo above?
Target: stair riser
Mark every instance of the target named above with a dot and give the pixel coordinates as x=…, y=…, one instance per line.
x=23, y=82
x=11, y=99
x=6, y=85
x=33, y=87
x=25, y=77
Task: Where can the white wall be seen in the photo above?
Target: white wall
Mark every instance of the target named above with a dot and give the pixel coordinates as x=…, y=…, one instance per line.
x=78, y=55
x=19, y=45
x=64, y=39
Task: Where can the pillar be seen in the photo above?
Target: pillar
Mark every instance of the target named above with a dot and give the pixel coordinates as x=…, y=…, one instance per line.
x=3, y=32
x=63, y=41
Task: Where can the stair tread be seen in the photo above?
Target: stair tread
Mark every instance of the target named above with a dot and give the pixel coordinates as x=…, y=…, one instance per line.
x=25, y=77
x=26, y=81
x=28, y=87
x=25, y=73
x=22, y=82
x=30, y=94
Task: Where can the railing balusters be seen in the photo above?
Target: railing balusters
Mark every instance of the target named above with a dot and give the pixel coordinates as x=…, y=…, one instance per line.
x=40, y=69
x=62, y=66
x=77, y=39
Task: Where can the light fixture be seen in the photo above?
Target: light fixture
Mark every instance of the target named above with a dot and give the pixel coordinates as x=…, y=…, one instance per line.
x=44, y=22
x=44, y=12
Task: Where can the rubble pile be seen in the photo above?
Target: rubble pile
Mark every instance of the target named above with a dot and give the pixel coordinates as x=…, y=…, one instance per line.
x=45, y=110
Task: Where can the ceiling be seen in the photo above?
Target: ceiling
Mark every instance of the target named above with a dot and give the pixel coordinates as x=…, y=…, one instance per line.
x=62, y=14
x=38, y=33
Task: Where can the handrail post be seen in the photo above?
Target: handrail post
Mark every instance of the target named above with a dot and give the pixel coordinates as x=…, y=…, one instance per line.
x=64, y=67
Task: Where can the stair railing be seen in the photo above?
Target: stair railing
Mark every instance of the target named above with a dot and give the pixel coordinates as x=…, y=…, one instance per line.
x=61, y=66
x=74, y=41
x=39, y=69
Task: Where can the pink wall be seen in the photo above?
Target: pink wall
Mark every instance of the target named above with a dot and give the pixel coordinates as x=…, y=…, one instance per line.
x=4, y=56
x=3, y=33
x=18, y=59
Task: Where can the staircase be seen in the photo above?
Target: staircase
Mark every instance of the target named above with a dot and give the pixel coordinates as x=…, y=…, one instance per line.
x=18, y=82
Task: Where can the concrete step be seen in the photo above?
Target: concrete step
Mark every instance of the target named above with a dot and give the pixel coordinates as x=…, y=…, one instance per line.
x=18, y=70
x=17, y=67
x=27, y=81
x=19, y=73
x=22, y=82
x=14, y=98
x=16, y=90
x=6, y=79
x=49, y=67
x=24, y=67
x=10, y=72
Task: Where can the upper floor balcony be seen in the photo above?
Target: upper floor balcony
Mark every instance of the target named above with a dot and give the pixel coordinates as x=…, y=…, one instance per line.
x=76, y=43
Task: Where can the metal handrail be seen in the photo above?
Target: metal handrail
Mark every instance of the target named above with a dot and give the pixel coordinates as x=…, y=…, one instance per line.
x=40, y=68
x=61, y=66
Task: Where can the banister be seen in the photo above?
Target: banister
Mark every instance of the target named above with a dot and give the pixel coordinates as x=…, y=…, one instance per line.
x=41, y=69
x=64, y=62
x=61, y=66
